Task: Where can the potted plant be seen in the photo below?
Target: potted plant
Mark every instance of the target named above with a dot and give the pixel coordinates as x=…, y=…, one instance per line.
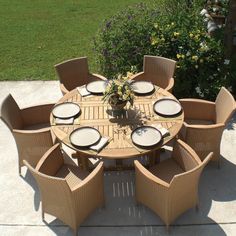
x=218, y=10
x=119, y=91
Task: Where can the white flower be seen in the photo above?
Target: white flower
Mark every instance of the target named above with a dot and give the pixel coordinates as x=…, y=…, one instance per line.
x=203, y=12
x=188, y=53
x=227, y=61
x=208, y=16
x=199, y=92
x=214, y=9
x=204, y=47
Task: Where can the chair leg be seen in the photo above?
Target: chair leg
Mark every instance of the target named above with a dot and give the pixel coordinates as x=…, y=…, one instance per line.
x=19, y=170
x=76, y=231
x=197, y=207
x=43, y=215
x=168, y=228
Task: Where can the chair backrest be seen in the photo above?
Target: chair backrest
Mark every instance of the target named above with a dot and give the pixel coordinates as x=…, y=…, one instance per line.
x=159, y=69
x=191, y=177
x=185, y=156
x=73, y=73
x=55, y=193
x=225, y=106
x=10, y=113
x=183, y=190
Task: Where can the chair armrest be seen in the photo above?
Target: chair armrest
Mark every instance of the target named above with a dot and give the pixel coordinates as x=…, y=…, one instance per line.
x=204, y=138
x=189, y=130
x=205, y=127
x=94, y=175
x=32, y=145
x=36, y=114
x=170, y=85
x=97, y=77
x=51, y=161
x=198, y=109
x=138, y=76
x=151, y=190
x=89, y=193
x=63, y=89
x=185, y=156
x=33, y=132
x=148, y=175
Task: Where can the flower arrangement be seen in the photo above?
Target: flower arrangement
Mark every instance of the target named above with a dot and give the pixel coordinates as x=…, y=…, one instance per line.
x=119, y=91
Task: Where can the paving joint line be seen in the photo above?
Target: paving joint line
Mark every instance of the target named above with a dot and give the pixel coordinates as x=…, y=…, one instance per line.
x=118, y=226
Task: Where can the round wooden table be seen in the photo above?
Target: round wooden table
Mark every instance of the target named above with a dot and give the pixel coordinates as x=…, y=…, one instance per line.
x=97, y=114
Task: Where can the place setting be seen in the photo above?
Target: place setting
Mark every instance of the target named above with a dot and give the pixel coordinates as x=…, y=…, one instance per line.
x=146, y=137
x=167, y=107
x=66, y=113
x=96, y=87
x=87, y=138
x=142, y=88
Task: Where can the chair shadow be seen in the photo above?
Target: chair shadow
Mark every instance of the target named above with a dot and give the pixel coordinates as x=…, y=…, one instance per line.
x=121, y=216
x=32, y=182
x=218, y=184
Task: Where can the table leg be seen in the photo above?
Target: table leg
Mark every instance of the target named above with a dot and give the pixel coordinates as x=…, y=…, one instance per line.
x=119, y=164
x=82, y=161
x=154, y=158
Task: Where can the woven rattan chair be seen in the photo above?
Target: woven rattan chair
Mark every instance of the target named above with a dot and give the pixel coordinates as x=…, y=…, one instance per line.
x=159, y=71
x=67, y=192
x=74, y=73
x=30, y=128
x=204, y=122
x=170, y=187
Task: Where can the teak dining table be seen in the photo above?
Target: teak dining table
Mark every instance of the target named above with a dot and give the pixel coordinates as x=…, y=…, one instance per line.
x=118, y=127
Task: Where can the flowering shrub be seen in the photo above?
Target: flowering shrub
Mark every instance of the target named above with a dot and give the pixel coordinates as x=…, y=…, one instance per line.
x=178, y=33
x=124, y=39
x=119, y=90
x=201, y=66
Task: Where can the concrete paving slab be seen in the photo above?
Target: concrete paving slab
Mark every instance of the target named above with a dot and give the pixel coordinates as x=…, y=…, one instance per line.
x=20, y=201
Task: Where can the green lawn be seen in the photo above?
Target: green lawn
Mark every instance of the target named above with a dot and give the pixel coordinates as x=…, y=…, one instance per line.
x=36, y=34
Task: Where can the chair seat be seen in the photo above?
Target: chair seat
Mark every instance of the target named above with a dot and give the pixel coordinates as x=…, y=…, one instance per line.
x=37, y=126
x=72, y=174
x=199, y=122
x=166, y=170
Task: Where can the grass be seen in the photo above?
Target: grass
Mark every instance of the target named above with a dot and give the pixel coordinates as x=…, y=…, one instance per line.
x=37, y=34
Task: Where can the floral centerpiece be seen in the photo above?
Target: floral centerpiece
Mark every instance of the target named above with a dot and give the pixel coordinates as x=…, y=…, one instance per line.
x=119, y=91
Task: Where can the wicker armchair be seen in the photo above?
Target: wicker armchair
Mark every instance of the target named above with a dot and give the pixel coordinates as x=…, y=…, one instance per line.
x=67, y=192
x=205, y=122
x=171, y=187
x=159, y=71
x=30, y=128
x=74, y=73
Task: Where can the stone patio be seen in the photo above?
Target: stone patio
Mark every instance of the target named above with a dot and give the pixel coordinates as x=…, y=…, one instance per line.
x=20, y=211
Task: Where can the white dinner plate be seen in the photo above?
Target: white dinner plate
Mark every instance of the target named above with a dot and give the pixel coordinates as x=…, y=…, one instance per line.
x=142, y=87
x=66, y=110
x=146, y=136
x=167, y=107
x=85, y=136
x=96, y=87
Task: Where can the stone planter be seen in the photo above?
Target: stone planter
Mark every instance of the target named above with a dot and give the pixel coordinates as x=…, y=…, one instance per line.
x=218, y=19
x=117, y=106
